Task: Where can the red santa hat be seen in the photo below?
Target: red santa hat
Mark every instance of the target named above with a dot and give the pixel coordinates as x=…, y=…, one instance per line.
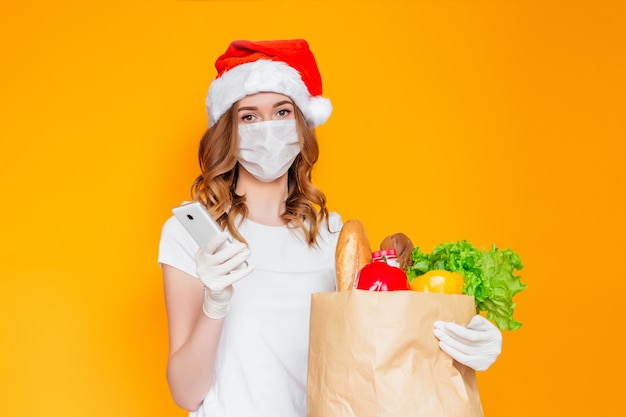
x=284, y=66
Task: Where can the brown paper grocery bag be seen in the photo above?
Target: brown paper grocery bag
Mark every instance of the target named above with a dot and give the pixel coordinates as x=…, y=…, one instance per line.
x=373, y=354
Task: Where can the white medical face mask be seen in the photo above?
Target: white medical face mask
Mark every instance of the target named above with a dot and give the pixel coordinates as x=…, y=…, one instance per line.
x=267, y=149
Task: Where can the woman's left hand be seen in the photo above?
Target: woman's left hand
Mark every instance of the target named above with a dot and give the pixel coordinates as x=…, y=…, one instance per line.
x=478, y=345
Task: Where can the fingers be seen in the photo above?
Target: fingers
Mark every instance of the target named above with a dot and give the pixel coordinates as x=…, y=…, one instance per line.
x=215, y=243
x=457, y=355
x=224, y=258
x=231, y=257
x=478, y=322
x=478, y=330
x=223, y=267
x=237, y=274
x=476, y=362
x=460, y=348
x=478, y=345
x=456, y=331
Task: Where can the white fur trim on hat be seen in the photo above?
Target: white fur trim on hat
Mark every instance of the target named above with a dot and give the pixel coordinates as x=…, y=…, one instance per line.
x=264, y=76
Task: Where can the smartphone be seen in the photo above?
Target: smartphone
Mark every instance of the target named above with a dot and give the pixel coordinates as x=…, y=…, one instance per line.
x=198, y=222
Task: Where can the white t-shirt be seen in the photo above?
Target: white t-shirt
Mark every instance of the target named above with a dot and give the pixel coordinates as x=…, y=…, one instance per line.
x=261, y=364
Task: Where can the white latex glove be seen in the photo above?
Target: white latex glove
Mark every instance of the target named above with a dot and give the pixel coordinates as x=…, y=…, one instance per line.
x=218, y=268
x=478, y=345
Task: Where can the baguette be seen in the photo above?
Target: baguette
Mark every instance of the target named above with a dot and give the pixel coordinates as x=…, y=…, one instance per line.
x=403, y=246
x=353, y=252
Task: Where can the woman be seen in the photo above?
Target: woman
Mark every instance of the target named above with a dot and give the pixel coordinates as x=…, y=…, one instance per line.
x=239, y=334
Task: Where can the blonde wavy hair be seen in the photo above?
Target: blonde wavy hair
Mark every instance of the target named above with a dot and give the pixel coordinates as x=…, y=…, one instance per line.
x=215, y=186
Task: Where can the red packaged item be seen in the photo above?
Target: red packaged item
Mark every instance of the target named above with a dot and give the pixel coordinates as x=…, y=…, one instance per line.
x=383, y=274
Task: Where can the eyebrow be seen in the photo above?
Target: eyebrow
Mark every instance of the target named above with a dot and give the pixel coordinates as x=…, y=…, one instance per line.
x=283, y=102
x=278, y=104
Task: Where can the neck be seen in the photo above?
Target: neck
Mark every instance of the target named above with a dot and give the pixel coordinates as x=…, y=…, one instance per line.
x=265, y=200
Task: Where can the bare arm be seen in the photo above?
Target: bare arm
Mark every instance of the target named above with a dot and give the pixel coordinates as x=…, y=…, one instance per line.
x=193, y=339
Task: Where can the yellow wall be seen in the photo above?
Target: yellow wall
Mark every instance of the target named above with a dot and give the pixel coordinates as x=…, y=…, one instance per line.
x=488, y=121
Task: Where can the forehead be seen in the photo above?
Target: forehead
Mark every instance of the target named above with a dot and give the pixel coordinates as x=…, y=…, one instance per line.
x=261, y=99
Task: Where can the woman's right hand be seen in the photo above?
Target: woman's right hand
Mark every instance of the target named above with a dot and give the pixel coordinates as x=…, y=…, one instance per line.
x=218, y=266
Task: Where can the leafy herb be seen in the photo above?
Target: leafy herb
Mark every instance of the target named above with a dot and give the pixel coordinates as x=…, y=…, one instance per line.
x=488, y=275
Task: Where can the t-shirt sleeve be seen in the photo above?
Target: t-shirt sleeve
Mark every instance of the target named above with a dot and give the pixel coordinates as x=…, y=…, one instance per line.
x=335, y=223
x=177, y=248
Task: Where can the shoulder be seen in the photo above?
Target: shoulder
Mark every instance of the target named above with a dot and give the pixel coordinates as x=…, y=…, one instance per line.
x=335, y=222
x=173, y=230
x=176, y=247
x=329, y=231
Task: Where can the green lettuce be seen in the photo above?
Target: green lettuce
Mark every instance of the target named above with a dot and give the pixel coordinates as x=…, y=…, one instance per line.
x=489, y=276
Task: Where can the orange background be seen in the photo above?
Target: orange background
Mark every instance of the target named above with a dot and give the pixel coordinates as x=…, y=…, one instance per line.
x=488, y=121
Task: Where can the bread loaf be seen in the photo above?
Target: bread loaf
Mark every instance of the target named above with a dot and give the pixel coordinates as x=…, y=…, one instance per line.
x=353, y=252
